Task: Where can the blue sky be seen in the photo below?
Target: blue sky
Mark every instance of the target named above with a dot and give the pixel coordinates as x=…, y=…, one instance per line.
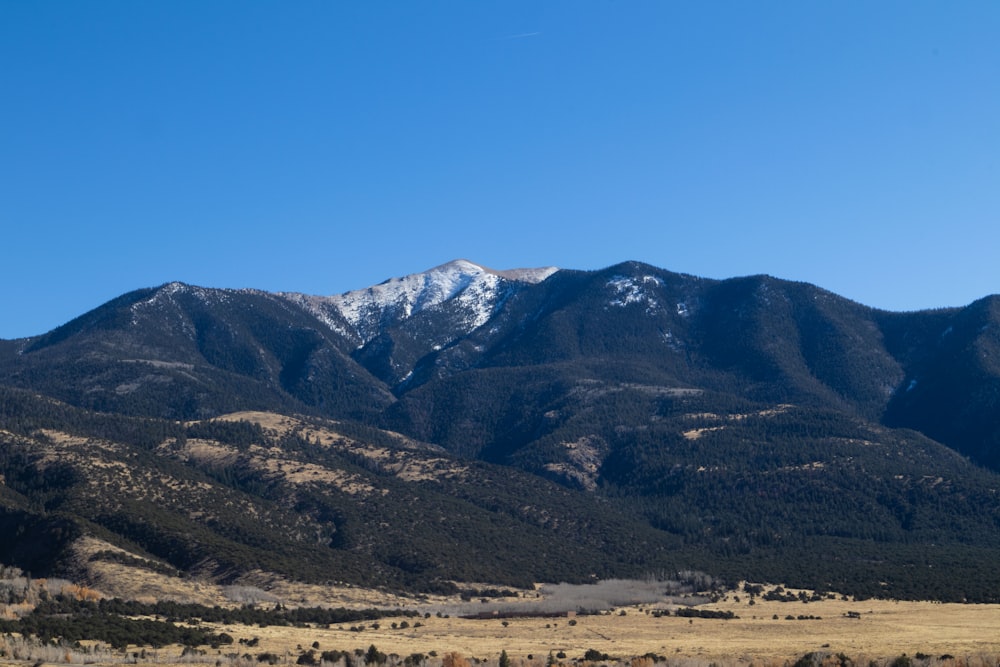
x=326, y=146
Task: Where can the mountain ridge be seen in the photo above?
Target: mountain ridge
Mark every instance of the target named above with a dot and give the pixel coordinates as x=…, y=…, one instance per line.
x=787, y=336
x=743, y=426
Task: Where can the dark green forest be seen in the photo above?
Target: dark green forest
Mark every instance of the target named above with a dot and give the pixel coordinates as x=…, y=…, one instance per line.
x=807, y=497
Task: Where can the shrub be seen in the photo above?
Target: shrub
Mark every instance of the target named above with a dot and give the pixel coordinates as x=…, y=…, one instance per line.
x=901, y=661
x=374, y=656
x=454, y=659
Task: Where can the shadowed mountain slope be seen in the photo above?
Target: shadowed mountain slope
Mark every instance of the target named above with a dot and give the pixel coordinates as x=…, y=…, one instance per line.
x=455, y=424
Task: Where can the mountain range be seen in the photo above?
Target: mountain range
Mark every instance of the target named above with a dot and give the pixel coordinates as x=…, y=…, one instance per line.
x=457, y=424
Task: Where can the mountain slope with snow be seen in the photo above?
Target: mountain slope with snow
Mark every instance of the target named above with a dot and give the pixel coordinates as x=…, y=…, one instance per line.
x=475, y=293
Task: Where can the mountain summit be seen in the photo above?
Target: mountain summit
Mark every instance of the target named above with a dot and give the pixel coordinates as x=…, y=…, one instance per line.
x=476, y=291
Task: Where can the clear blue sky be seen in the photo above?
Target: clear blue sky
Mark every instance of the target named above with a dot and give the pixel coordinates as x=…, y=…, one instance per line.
x=325, y=146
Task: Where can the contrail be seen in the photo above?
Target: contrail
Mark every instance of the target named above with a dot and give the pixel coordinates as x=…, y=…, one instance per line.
x=522, y=35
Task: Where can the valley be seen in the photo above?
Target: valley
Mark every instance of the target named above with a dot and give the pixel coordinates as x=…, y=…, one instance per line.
x=886, y=629
x=750, y=630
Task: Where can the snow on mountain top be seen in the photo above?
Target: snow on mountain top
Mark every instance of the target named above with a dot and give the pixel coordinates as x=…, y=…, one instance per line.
x=418, y=291
x=476, y=289
x=628, y=290
x=521, y=275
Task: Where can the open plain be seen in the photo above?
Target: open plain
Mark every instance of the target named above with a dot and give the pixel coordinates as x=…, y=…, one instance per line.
x=838, y=631
x=763, y=633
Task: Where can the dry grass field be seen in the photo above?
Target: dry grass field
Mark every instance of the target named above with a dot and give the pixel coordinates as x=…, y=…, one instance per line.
x=871, y=633
x=884, y=630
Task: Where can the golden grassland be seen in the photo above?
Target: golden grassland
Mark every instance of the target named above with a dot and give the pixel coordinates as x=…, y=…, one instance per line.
x=966, y=635
x=884, y=629
x=872, y=633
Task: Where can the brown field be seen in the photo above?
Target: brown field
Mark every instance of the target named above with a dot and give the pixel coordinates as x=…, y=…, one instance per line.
x=885, y=629
x=969, y=635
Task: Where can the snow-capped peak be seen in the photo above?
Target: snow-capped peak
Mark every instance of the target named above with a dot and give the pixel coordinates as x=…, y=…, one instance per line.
x=477, y=291
x=466, y=268
x=405, y=296
x=530, y=276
